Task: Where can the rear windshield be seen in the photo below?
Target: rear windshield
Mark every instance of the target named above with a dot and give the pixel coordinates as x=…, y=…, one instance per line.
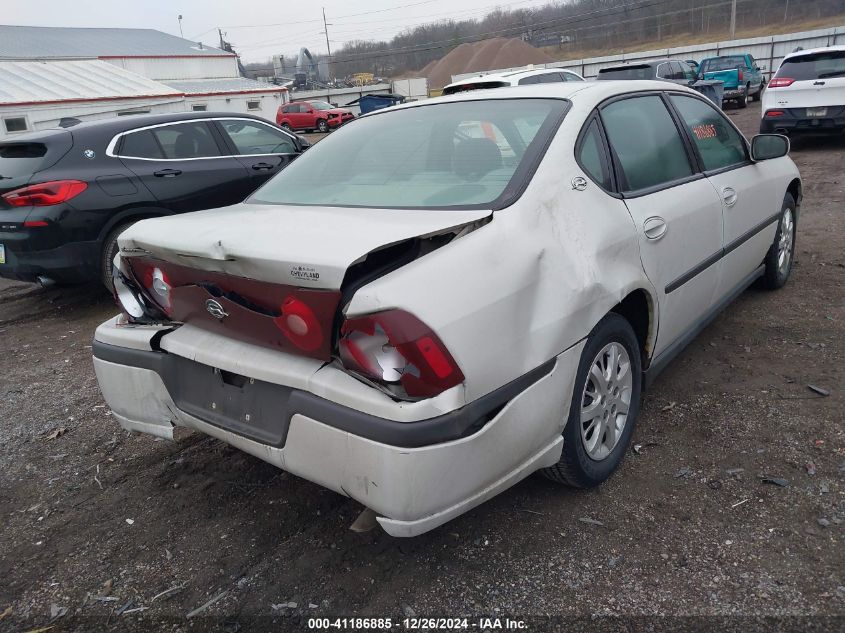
x=21, y=159
x=815, y=66
x=439, y=156
x=722, y=63
x=634, y=71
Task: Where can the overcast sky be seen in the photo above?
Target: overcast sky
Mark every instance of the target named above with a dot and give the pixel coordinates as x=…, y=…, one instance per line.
x=257, y=28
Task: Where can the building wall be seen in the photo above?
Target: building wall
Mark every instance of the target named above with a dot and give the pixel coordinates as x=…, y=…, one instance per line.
x=163, y=68
x=269, y=103
x=41, y=117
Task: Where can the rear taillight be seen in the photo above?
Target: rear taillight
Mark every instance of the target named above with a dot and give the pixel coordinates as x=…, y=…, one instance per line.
x=396, y=348
x=45, y=194
x=155, y=282
x=300, y=324
x=741, y=76
x=775, y=113
x=781, y=82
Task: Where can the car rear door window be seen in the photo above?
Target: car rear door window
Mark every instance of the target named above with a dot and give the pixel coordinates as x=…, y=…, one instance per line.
x=186, y=140
x=141, y=144
x=592, y=156
x=525, y=81
x=719, y=144
x=646, y=142
x=251, y=138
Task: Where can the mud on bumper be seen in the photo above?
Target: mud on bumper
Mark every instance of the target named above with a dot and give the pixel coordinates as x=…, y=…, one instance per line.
x=414, y=475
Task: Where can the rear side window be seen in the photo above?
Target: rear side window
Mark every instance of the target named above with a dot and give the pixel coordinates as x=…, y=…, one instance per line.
x=256, y=138
x=718, y=143
x=141, y=145
x=815, y=66
x=592, y=157
x=186, y=140
x=646, y=142
x=21, y=159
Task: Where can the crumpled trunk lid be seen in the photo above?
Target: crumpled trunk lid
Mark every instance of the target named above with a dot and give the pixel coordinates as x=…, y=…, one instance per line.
x=271, y=275
x=311, y=247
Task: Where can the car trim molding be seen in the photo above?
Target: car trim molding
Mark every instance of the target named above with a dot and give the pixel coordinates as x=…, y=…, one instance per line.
x=110, y=148
x=679, y=344
x=715, y=257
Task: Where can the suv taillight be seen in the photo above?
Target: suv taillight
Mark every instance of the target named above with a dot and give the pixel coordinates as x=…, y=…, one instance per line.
x=781, y=82
x=45, y=194
x=395, y=348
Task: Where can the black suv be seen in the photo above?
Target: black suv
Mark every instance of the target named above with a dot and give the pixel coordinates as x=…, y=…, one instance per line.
x=66, y=194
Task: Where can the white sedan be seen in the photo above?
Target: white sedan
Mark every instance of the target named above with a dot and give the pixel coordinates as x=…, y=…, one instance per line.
x=413, y=315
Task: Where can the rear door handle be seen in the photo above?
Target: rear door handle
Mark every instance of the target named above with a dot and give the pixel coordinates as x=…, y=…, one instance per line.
x=655, y=228
x=729, y=195
x=260, y=166
x=167, y=173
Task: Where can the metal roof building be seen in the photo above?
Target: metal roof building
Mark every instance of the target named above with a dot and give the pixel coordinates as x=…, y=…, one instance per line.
x=49, y=73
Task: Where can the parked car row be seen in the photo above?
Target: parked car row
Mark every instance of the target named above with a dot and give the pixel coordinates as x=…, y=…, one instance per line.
x=66, y=194
x=448, y=295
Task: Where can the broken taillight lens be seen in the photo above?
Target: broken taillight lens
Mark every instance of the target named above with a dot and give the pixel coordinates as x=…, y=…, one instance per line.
x=156, y=283
x=396, y=348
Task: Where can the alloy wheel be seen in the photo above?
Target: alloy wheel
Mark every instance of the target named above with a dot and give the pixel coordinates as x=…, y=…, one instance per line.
x=606, y=400
x=787, y=240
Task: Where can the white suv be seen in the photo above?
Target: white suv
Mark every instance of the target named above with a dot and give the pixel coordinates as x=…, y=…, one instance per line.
x=515, y=78
x=807, y=94
x=435, y=302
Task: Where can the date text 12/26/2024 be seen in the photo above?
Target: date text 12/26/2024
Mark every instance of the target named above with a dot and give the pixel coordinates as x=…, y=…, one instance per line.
x=413, y=624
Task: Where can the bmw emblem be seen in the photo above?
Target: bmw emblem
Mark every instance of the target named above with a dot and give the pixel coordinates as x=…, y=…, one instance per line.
x=89, y=154
x=215, y=309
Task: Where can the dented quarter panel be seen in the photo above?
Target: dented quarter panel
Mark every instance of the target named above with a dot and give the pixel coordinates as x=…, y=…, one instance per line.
x=528, y=285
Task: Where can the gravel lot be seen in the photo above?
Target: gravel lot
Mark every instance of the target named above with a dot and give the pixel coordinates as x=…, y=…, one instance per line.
x=96, y=524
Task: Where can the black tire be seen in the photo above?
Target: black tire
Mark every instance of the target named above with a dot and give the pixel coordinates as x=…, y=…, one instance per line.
x=777, y=275
x=576, y=468
x=322, y=126
x=109, y=251
x=286, y=126
x=742, y=102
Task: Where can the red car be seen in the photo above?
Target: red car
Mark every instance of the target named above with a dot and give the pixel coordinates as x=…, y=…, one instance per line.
x=312, y=115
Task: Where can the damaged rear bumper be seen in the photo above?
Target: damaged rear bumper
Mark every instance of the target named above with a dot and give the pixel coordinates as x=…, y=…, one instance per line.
x=415, y=475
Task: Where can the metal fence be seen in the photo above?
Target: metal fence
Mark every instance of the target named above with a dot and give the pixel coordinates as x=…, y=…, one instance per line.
x=768, y=51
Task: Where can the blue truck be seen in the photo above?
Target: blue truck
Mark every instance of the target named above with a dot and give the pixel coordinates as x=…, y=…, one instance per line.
x=740, y=74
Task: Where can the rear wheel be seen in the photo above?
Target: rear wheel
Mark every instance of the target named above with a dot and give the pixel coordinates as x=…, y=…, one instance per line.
x=604, y=408
x=779, y=258
x=286, y=126
x=322, y=126
x=742, y=102
x=109, y=251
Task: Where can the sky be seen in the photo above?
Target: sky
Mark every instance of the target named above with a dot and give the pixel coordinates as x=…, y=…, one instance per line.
x=257, y=29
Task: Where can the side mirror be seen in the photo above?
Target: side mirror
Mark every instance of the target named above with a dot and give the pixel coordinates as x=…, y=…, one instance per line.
x=304, y=143
x=768, y=146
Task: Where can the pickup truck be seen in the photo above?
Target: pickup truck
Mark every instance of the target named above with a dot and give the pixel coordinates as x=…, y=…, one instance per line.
x=740, y=74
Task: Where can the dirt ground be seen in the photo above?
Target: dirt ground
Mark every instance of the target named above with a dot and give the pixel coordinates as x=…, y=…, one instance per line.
x=96, y=524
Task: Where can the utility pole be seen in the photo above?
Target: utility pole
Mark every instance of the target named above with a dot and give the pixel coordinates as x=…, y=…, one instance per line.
x=786, y=11
x=328, y=46
x=220, y=34
x=180, y=26
x=733, y=19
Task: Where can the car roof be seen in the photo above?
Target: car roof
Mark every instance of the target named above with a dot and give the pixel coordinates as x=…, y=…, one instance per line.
x=508, y=76
x=123, y=123
x=588, y=92
x=648, y=62
x=813, y=51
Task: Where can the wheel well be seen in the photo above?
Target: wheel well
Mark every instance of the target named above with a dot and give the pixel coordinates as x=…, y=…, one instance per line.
x=638, y=309
x=794, y=188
